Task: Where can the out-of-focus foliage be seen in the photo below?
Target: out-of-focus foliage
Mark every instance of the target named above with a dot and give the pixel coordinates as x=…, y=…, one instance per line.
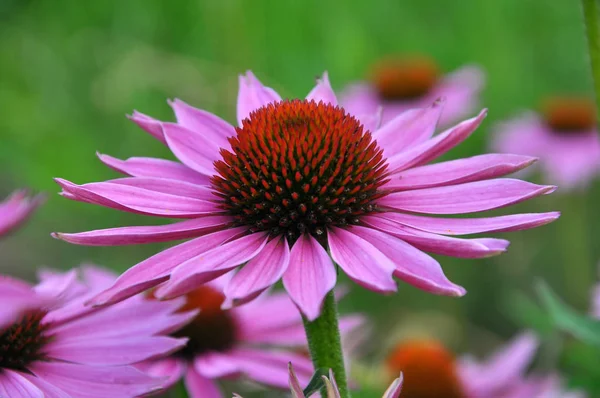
x=70, y=70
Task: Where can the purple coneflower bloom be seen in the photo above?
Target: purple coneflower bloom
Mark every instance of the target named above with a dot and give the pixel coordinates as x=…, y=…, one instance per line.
x=16, y=209
x=431, y=371
x=301, y=185
x=52, y=345
x=255, y=340
x=564, y=136
x=393, y=390
x=402, y=83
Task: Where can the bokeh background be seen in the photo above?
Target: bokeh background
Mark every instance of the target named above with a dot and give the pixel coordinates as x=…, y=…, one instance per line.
x=70, y=70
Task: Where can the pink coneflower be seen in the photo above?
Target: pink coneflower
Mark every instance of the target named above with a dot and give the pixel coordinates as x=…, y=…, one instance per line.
x=431, y=371
x=393, y=390
x=564, y=136
x=255, y=340
x=52, y=345
x=299, y=186
x=16, y=209
x=397, y=84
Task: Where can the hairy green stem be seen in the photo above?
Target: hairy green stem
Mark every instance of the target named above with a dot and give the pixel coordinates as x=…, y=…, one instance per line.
x=591, y=17
x=325, y=344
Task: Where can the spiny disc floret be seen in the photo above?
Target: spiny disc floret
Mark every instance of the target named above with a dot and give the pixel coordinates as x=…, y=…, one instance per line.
x=22, y=342
x=299, y=166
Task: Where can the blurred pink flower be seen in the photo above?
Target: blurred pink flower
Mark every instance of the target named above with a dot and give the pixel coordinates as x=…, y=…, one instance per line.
x=393, y=390
x=430, y=370
x=399, y=84
x=16, y=209
x=564, y=137
x=54, y=346
x=300, y=186
x=255, y=340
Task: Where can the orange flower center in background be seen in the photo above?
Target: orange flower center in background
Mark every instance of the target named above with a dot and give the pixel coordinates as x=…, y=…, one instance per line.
x=401, y=79
x=213, y=329
x=22, y=342
x=569, y=114
x=429, y=370
x=298, y=167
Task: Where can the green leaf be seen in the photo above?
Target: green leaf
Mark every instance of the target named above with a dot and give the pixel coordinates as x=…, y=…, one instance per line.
x=568, y=320
x=316, y=382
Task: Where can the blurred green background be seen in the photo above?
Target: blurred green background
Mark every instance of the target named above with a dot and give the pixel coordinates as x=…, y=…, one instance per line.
x=70, y=71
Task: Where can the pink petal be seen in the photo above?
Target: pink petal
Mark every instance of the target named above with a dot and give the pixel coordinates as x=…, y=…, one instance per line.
x=261, y=272
x=363, y=263
x=461, y=88
x=439, y=244
x=199, y=386
x=214, y=365
x=408, y=129
x=253, y=95
x=157, y=168
x=169, y=369
x=147, y=234
x=310, y=275
x=394, y=389
x=412, y=265
x=270, y=367
x=212, y=264
x=149, y=124
x=113, y=351
x=360, y=99
x=137, y=200
x=435, y=147
x=193, y=149
x=157, y=268
x=370, y=121
x=213, y=127
x=13, y=385
x=323, y=92
x=16, y=296
x=459, y=171
x=57, y=285
x=48, y=389
x=466, y=226
x=294, y=383
x=165, y=185
x=465, y=198
x=84, y=381
x=16, y=209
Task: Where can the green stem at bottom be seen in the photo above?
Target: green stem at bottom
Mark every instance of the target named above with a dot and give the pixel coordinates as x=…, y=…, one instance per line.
x=325, y=344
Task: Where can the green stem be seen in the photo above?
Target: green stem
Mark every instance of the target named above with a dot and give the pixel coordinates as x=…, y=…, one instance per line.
x=325, y=344
x=591, y=16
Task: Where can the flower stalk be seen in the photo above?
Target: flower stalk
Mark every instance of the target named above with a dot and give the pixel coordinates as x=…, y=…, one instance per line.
x=325, y=345
x=591, y=17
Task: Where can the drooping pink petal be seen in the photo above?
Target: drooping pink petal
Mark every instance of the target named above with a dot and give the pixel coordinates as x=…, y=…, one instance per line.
x=408, y=129
x=111, y=351
x=439, y=244
x=362, y=261
x=323, y=92
x=199, y=386
x=270, y=367
x=459, y=171
x=310, y=275
x=371, y=121
x=16, y=296
x=461, y=88
x=201, y=121
x=137, y=200
x=466, y=226
x=193, y=149
x=212, y=264
x=165, y=185
x=147, y=234
x=253, y=95
x=157, y=268
x=16, y=209
x=14, y=385
x=294, y=383
x=153, y=167
x=84, y=381
x=412, y=265
x=49, y=390
x=59, y=286
x=214, y=365
x=170, y=370
x=149, y=124
x=261, y=272
x=283, y=312
x=433, y=148
x=394, y=389
x=470, y=197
